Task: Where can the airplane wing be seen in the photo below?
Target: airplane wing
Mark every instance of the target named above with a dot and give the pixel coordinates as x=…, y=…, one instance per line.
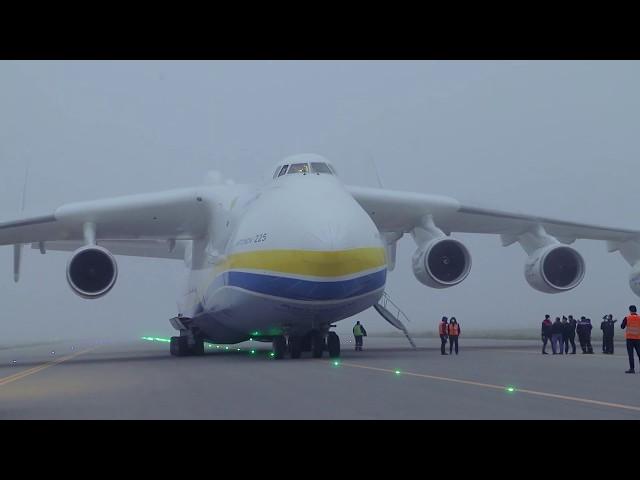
x=129, y=248
x=171, y=215
x=397, y=212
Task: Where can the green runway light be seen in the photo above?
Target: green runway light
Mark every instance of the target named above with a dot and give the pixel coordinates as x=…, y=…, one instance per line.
x=253, y=352
x=397, y=372
x=251, y=339
x=226, y=348
x=336, y=363
x=272, y=354
x=511, y=389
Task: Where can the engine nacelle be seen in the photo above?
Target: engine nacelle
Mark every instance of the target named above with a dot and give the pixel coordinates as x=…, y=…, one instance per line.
x=554, y=269
x=92, y=271
x=441, y=263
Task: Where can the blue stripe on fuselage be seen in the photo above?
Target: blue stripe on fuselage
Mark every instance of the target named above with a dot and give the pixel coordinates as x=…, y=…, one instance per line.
x=297, y=289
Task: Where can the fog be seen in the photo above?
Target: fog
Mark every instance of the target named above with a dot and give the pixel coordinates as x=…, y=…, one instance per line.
x=554, y=138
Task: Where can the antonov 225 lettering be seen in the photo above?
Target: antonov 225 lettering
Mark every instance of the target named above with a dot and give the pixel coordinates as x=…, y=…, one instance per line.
x=283, y=260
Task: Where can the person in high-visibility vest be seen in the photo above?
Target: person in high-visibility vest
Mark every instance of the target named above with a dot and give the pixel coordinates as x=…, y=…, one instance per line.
x=443, y=330
x=632, y=323
x=454, y=333
x=358, y=333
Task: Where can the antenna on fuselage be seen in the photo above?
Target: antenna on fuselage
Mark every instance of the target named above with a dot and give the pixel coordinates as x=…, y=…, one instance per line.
x=375, y=170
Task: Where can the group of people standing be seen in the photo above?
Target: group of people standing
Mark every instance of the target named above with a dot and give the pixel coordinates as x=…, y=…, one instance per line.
x=562, y=334
x=449, y=329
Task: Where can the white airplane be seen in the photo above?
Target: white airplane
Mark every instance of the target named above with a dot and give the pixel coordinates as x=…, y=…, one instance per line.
x=283, y=260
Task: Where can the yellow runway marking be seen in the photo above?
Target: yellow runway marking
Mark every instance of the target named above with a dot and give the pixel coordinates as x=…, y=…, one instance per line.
x=39, y=368
x=501, y=387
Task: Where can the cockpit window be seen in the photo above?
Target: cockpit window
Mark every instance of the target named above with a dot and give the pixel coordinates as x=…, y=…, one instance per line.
x=318, y=167
x=283, y=170
x=299, y=168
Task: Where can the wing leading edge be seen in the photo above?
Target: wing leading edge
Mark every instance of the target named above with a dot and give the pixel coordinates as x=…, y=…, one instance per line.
x=397, y=212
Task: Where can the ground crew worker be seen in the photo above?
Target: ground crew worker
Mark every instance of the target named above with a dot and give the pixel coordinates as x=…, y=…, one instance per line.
x=587, y=334
x=572, y=334
x=584, y=334
x=610, y=338
x=556, y=336
x=358, y=333
x=566, y=331
x=443, y=330
x=607, y=327
x=545, y=332
x=454, y=333
x=632, y=323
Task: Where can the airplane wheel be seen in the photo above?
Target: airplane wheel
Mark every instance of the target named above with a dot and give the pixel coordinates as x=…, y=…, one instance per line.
x=306, y=343
x=333, y=345
x=179, y=347
x=279, y=347
x=198, y=348
x=295, y=347
x=317, y=345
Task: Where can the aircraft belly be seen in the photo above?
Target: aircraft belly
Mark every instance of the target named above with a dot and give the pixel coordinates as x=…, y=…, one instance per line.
x=249, y=311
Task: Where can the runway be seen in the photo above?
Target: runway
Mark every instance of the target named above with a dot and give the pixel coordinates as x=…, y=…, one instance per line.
x=489, y=379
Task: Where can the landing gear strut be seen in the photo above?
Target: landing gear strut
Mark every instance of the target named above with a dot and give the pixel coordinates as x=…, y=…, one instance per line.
x=181, y=347
x=279, y=347
x=317, y=344
x=333, y=344
x=295, y=346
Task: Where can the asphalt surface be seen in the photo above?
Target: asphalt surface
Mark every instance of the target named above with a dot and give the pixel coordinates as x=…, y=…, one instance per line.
x=140, y=380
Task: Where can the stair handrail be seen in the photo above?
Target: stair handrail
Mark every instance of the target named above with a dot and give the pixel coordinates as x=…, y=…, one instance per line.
x=386, y=299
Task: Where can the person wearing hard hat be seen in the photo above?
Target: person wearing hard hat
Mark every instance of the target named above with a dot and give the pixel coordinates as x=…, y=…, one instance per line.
x=632, y=323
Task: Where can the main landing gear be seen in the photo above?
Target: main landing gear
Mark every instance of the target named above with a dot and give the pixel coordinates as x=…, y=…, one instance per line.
x=316, y=342
x=185, y=345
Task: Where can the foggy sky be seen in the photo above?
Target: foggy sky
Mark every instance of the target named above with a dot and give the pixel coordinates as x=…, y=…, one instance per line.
x=557, y=138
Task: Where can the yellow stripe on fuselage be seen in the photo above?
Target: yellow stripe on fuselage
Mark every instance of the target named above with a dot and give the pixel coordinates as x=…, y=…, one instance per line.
x=307, y=262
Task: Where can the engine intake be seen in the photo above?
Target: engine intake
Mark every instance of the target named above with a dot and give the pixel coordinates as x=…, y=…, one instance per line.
x=442, y=263
x=92, y=272
x=554, y=269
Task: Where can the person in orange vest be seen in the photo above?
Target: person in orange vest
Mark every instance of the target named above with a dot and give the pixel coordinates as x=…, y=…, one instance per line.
x=454, y=333
x=632, y=323
x=443, y=331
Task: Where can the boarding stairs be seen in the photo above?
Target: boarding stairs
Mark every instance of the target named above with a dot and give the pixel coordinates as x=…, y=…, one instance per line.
x=393, y=314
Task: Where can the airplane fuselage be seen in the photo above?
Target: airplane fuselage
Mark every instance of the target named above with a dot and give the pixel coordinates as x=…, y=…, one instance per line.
x=291, y=256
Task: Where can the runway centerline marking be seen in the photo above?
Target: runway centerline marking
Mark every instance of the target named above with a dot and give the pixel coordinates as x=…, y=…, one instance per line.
x=25, y=373
x=500, y=387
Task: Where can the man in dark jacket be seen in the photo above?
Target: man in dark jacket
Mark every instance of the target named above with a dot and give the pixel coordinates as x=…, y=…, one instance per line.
x=566, y=333
x=545, y=333
x=608, y=330
x=572, y=334
x=584, y=334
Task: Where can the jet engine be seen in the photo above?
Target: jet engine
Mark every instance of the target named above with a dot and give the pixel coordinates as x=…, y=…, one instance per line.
x=441, y=263
x=554, y=269
x=92, y=271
